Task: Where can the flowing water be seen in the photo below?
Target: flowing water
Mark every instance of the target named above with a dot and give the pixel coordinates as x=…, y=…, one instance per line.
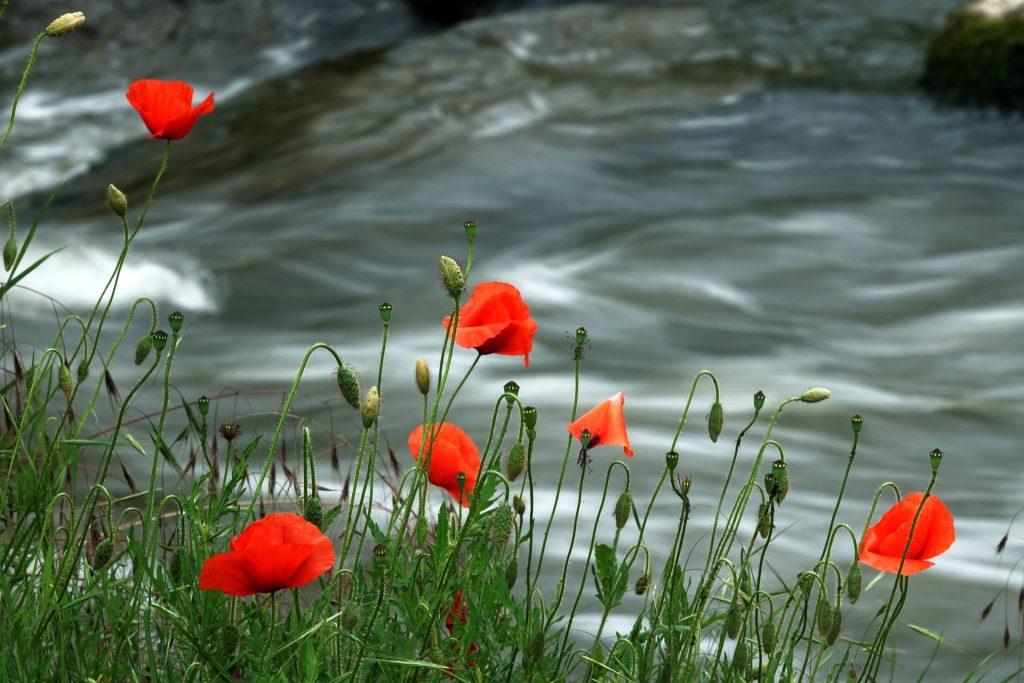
x=754, y=188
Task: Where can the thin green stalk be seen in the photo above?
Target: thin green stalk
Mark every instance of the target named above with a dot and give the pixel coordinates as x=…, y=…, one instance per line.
x=21, y=86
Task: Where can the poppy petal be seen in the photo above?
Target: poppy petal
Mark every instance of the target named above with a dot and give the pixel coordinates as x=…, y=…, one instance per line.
x=226, y=572
x=605, y=421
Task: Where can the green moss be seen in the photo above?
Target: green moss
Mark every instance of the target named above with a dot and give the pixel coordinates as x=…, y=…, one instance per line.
x=977, y=60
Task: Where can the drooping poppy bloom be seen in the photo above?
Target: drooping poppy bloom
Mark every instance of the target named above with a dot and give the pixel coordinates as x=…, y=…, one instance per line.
x=496, y=320
x=606, y=424
x=279, y=551
x=452, y=452
x=884, y=543
x=166, y=107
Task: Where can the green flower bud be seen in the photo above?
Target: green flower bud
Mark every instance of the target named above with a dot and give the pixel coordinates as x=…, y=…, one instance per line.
x=770, y=487
x=740, y=659
x=451, y=276
x=65, y=23
x=824, y=616
x=501, y=526
x=671, y=460
x=10, y=253
x=82, y=372
x=511, y=573
x=854, y=578
x=537, y=646
x=804, y=582
x=64, y=380
x=371, y=407
x=350, y=617
x=759, y=400
x=836, y=626
x=581, y=336
x=159, y=340
x=936, y=459
x=716, y=418
x=204, y=405
x=143, y=348
x=642, y=584
x=516, y=461
x=104, y=551
x=518, y=504
x=856, y=422
x=314, y=512
x=385, y=312
x=422, y=376
x=781, y=476
x=764, y=520
x=815, y=395
x=530, y=417
x=177, y=565
x=623, y=508
x=733, y=619
x=348, y=383
x=768, y=636
x=470, y=228
x=117, y=201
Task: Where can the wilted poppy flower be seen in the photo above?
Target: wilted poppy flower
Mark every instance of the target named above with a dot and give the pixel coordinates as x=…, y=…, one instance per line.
x=453, y=452
x=279, y=551
x=166, y=107
x=884, y=543
x=606, y=424
x=496, y=320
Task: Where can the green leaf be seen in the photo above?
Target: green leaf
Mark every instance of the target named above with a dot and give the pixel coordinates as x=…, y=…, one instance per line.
x=135, y=444
x=937, y=637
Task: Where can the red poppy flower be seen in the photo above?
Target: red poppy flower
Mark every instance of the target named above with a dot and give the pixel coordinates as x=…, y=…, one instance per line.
x=453, y=452
x=884, y=543
x=606, y=424
x=496, y=320
x=166, y=107
x=279, y=551
x=458, y=611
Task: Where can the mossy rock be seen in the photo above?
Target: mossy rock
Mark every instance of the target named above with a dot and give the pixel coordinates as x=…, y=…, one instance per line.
x=977, y=59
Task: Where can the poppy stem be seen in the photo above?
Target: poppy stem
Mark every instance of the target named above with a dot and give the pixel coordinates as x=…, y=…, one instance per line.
x=21, y=86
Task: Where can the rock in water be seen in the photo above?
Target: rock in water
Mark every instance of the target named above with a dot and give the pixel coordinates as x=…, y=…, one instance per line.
x=977, y=57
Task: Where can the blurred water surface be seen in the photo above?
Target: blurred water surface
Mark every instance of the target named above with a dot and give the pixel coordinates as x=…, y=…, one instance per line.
x=754, y=188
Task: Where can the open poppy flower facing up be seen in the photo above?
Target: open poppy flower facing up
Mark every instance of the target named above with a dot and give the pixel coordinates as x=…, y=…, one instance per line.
x=279, y=551
x=496, y=320
x=453, y=452
x=606, y=425
x=166, y=107
x=884, y=543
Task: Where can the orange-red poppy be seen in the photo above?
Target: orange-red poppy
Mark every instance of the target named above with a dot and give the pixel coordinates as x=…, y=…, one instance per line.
x=166, y=107
x=496, y=320
x=606, y=424
x=279, y=551
x=452, y=452
x=458, y=612
x=883, y=545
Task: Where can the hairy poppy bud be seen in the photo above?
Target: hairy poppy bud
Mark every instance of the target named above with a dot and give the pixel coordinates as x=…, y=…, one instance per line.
x=511, y=573
x=824, y=616
x=502, y=524
x=936, y=459
x=371, y=407
x=518, y=504
x=642, y=584
x=836, y=627
x=781, y=476
x=853, y=582
x=623, y=507
x=804, y=582
x=348, y=383
x=176, y=568
x=733, y=618
x=65, y=23
x=204, y=405
x=175, y=319
x=64, y=380
x=768, y=636
x=104, y=551
x=10, y=253
x=470, y=228
x=739, y=658
x=759, y=400
x=422, y=376
x=159, y=340
x=815, y=395
x=671, y=460
x=143, y=348
x=350, y=617
x=764, y=520
x=716, y=419
x=314, y=511
x=856, y=422
x=530, y=417
x=537, y=646
x=451, y=276
x=516, y=461
x=385, y=312
x=117, y=201
x=83, y=370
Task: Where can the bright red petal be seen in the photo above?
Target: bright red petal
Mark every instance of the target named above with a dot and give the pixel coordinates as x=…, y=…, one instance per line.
x=887, y=563
x=496, y=320
x=451, y=453
x=226, y=572
x=607, y=422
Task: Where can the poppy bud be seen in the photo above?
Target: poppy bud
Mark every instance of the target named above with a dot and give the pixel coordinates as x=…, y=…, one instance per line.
x=64, y=380
x=733, y=619
x=764, y=520
x=936, y=459
x=537, y=646
x=581, y=336
x=516, y=461
x=502, y=524
x=769, y=484
x=623, y=507
x=824, y=616
x=422, y=376
x=314, y=512
x=781, y=479
x=804, y=582
x=117, y=201
x=229, y=638
x=142, y=349
x=350, y=617
x=83, y=370
x=385, y=312
x=104, y=551
x=671, y=460
x=716, y=418
x=159, y=340
x=511, y=573
x=65, y=23
x=759, y=400
x=470, y=228
x=853, y=582
x=815, y=395
x=175, y=319
x=768, y=636
x=204, y=405
x=530, y=417
x=856, y=422
x=451, y=276
x=10, y=253
x=371, y=407
x=642, y=584
x=348, y=383
x=177, y=565
x=739, y=658
x=837, y=626
x=518, y=504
